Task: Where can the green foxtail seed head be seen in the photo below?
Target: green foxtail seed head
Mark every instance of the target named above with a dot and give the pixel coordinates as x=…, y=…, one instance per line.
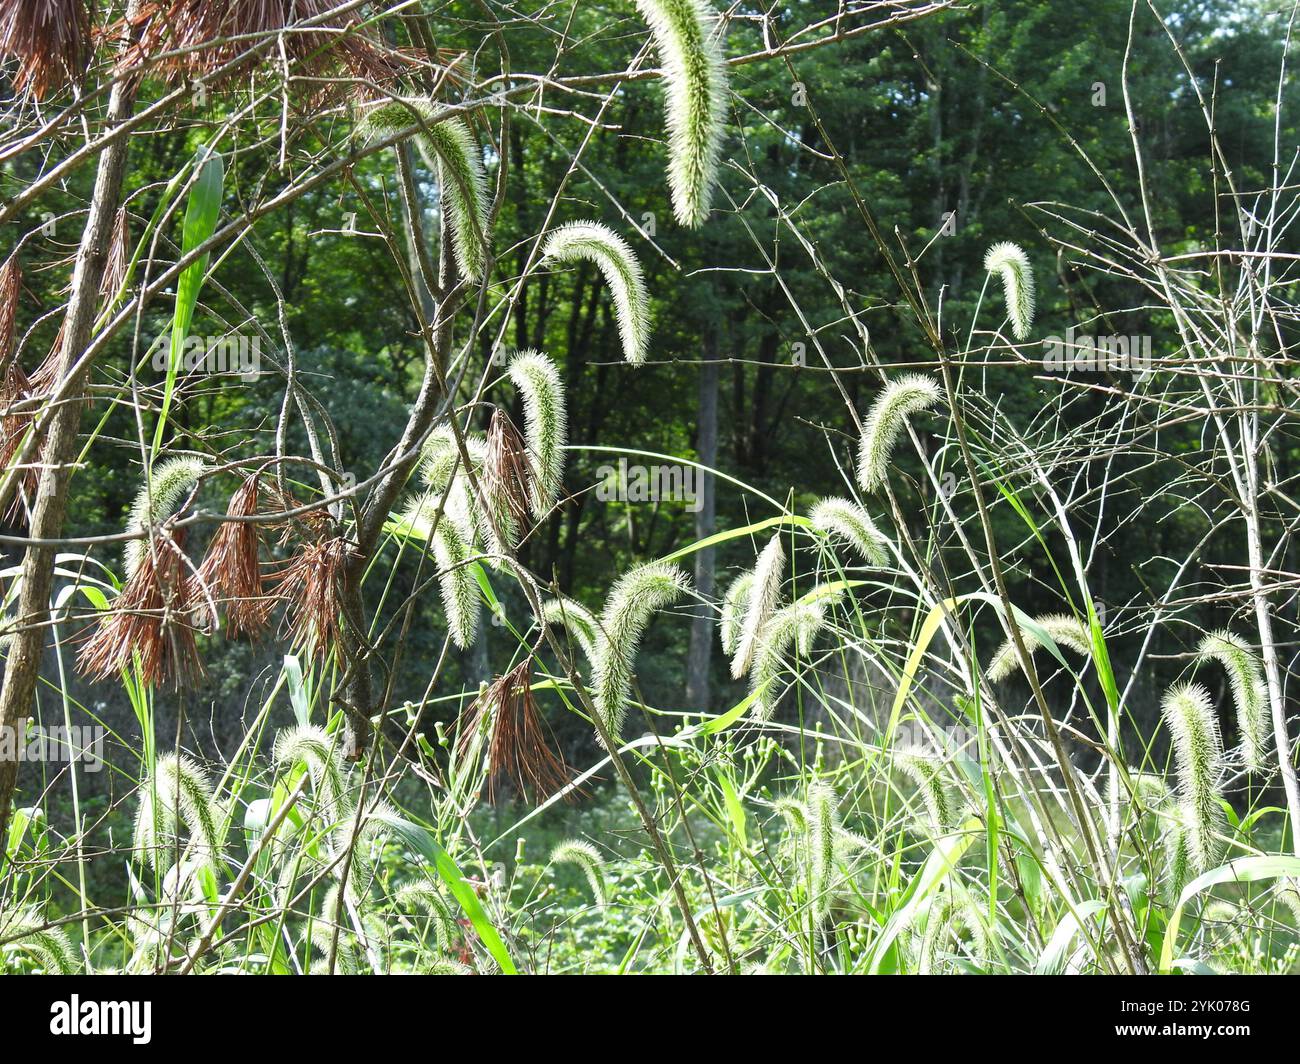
x=796, y=624
x=314, y=748
x=49, y=946
x=1011, y=264
x=823, y=824
x=632, y=601
x=897, y=401
x=764, y=596
x=734, y=604
x=847, y=520
x=584, y=855
x=423, y=895
x=170, y=485
x=446, y=966
x=1249, y=694
x=927, y=774
x=610, y=253
x=459, y=589
x=575, y=619
x=1066, y=631
x=178, y=792
x=545, y=431
x=1194, y=728
x=695, y=91
x=448, y=148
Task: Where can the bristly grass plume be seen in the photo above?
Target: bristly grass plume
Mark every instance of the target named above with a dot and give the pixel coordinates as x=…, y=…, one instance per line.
x=613, y=256
x=1194, y=727
x=847, y=520
x=1011, y=265
x=632, y=601
x=545, y=424
x=897, y=401
x=1066, y=631
x=1248, y=693
x=168, y=487
x=763, y=599
x=695, y=89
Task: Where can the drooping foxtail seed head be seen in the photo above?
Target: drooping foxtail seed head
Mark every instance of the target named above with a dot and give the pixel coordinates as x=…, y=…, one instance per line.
x=847, y=520
x=764, y=597
x=585, y=856
x=1011, y=265
x=823, y=823
x=734, y=605
x=448, y=148
x=168, y=487
x=545, y=424
x=320, y=754
x=1066, y=631
x=898, y=401
x=27, y=931
x=927, y=774
x=1249, y=694
x=695, y=90
x=177, y=793
x=794, y=625
x=613, y=257
x=1193, y=726
x=575, y=619
x=633, y=600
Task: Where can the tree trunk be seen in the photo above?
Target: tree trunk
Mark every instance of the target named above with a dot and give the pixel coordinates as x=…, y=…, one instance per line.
x=60, y=448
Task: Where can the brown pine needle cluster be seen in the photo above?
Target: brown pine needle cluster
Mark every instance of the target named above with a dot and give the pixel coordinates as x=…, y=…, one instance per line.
x=507, y=472
x=196, y=38
x=49, y=38
x=149, y=622
x=518, y=748
x=232, y=571
x=310, y=584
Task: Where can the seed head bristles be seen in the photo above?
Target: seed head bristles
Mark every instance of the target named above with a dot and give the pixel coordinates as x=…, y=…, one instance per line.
x=1066, y=631
x=423, y=894
x=545, y=430
x=460, y=592
x=585, y=856
x=311, y=585
x=797, y=625
x=1012, y=266
x=575, y=619
x=440, y=457
x=52, y=949
x=611, y=254
x=149, y=622
x=847, y=520
x=898, y=400
x=49, y=38
x=695, y=92
x=178, y=792
x=794, y=813
x=734, y=605
x=633, y=600
x=517, y=747
x=508, y=474
x=823, y=824
x=312, y=747
x=1177, y=856
x=168, y=487
x=764, y=597
x=1249, y=695
x=448, y=148
x=927, y=774
x=1194, y=728
x=232, y=570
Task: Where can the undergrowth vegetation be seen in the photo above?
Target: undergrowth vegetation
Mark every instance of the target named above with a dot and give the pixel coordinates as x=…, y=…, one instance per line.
x=937, y=743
